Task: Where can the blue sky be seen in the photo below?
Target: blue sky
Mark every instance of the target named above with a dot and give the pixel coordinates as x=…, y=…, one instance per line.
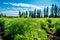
x=11, y=7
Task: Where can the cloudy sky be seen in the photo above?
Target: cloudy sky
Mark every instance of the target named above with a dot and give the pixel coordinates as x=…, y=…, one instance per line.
x=11, y=7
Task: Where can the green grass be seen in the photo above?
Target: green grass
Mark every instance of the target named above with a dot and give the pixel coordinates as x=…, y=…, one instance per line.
x=29, y=28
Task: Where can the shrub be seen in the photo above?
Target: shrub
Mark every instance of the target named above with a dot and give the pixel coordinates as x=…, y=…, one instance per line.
x=1, y=22
x=22, y=29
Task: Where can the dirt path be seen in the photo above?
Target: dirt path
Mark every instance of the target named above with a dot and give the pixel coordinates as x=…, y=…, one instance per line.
x=52, y=36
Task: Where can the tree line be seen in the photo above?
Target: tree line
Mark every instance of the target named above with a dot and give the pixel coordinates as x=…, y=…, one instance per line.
x=37, y=13
x=54, y=12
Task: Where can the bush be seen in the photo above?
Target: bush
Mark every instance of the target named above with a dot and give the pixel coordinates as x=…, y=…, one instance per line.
x=57, y=33
x=49, y=20
x=35, y=35
x=22, y=29
x=56, y=25
x=1, y=22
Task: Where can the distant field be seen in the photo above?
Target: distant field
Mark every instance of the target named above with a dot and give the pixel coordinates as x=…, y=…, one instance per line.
x=29, y=28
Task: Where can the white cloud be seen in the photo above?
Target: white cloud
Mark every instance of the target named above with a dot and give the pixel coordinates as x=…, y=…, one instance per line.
x=25, y=5
x=14, y=10
x=10, y=12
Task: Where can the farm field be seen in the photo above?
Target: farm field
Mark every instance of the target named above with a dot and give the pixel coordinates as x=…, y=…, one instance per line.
x=31, y=28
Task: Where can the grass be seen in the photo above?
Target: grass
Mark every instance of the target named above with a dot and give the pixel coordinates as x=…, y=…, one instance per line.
x=29, y=28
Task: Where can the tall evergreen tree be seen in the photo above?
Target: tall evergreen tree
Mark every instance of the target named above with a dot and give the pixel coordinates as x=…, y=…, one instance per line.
x=47, y=11
x=26, y=13
x=44, y=12
x=35, y=13
x=52, y=11
x=31, y=14
x=20, y=13
x=23, y=14
x=58, y=12
x=38, y=13
x=55, y=10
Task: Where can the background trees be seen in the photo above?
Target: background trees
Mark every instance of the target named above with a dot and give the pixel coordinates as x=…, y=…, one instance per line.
x=46, y=12
x=54, y=11
x=37, y=13
x=2, y=15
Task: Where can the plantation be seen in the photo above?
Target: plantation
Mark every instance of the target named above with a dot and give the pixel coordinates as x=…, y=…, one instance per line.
x=30, y=28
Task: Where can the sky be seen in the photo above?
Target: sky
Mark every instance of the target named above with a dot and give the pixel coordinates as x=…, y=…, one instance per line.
x=12, y=7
